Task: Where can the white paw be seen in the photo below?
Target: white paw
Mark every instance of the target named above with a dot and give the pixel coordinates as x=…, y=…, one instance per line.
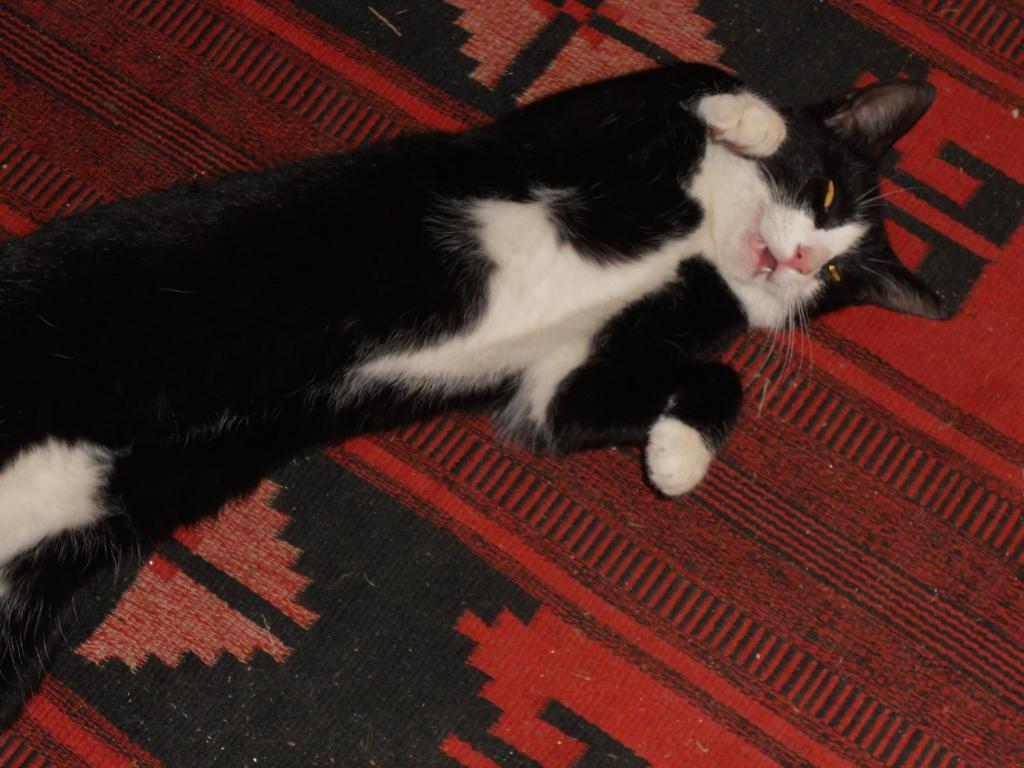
x=677, y=458
x=744, y=121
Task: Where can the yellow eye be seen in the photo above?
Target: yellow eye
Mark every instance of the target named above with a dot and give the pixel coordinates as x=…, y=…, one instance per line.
x=830, y=194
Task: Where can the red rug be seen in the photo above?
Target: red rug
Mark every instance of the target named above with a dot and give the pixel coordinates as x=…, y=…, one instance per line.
x=845, y=589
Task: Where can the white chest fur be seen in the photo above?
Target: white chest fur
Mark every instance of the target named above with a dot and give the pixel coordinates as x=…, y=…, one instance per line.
x=544, y=304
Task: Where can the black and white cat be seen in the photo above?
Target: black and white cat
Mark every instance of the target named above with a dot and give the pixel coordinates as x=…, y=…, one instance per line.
x=577, y=265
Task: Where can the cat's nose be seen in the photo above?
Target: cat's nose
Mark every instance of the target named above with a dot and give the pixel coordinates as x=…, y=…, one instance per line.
x=803, y=260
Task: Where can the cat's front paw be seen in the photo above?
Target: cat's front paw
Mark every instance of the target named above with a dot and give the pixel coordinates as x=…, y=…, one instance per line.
x=744, y=121
x=677, y=458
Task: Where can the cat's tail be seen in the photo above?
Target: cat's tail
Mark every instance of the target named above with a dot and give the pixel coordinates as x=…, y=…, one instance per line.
x=57, y=527
x=76, y=521
x=35, y=613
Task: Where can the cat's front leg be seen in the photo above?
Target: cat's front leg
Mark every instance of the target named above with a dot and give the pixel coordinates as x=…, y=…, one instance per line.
x=647, y=394
x=743, y=121
x=692, y=429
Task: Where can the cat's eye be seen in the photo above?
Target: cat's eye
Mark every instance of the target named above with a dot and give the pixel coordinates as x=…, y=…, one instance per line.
x=830, y=194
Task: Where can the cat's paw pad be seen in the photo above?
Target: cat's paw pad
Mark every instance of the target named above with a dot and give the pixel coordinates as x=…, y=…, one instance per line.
x=677, y=458
x=744, y=121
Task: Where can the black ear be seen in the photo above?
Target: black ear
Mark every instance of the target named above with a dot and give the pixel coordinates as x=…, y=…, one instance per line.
x=875, y=117
x=891, y=285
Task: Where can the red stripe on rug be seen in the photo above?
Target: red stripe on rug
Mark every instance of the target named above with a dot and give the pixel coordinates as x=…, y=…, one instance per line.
x=339, y=61
x=465, y=755
x=867, y=383
x=910, y=30
x=14, y=222
x=77, y=727
x=441, y=498
x=110, y=97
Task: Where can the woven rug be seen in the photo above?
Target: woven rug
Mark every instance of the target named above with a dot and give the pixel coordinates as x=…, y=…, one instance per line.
x=844, y=589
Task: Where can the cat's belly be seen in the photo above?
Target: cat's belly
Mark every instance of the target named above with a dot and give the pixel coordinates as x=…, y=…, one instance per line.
x=545, y=302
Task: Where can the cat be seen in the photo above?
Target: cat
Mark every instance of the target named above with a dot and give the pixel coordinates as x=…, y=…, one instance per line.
x=577, y=265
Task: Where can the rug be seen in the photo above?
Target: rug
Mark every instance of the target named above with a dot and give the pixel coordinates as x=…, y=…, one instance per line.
x=843, y=590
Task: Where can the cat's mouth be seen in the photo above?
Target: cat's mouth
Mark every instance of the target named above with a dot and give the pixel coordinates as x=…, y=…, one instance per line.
x=768, y=266
x=765, y=262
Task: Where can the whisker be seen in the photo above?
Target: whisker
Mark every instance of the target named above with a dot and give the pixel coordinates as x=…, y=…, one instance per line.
x=764, y=352
x=899, y=188
x=805, y=321
x=886, y=195
x=789, y=337
x=772, y=334
x=798, y=338
x=793, y=332
x=874, y=272
x=869, y=191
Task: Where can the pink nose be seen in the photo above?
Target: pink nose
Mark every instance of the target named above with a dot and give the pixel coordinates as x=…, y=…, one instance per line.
x=802, y=261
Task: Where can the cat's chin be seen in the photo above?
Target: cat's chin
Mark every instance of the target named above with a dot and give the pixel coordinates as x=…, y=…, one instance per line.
x=787, y=282
x=772, y=299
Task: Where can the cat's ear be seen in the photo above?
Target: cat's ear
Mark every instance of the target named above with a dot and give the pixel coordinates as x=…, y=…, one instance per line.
x=892, y=286
x=875, y=117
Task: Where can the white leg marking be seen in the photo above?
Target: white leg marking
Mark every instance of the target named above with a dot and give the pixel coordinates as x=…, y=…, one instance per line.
x=677, y=458
x=744, y=121
x=46, y=489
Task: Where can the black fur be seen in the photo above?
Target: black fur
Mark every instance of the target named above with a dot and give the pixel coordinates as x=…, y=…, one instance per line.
x=658, y=350
x=202, y=331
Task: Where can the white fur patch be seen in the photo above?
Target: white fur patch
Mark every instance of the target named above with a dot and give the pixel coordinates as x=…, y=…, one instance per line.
x=677, y=458
x=545, y=302
x=46, y=489
x=744, y=121
x=738, y=204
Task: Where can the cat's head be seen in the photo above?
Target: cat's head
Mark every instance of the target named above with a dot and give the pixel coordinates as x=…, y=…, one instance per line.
x=813, y=239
